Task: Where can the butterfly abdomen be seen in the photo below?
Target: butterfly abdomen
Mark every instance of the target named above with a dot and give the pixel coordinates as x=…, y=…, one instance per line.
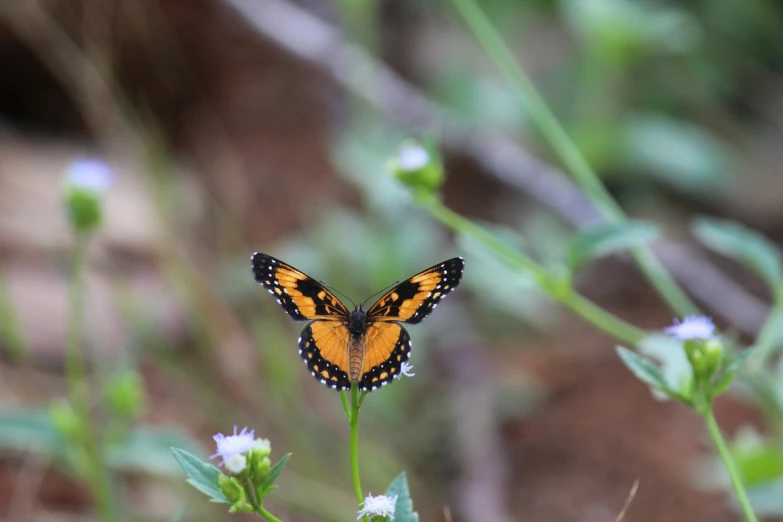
x=356, y=355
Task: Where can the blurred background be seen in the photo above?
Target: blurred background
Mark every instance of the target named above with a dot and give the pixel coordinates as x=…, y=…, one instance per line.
x=236, y=126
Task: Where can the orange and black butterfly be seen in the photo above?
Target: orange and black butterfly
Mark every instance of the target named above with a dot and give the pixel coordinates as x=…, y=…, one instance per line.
x=367, y=347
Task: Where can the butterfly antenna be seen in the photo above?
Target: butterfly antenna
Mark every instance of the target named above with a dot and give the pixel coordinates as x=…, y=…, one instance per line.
x=376, y=293
x=339, y=292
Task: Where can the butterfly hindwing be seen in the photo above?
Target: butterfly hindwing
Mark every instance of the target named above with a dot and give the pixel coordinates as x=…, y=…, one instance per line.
x=301, y=296
x=414, y=299
x=323, y=347
x=386, y=346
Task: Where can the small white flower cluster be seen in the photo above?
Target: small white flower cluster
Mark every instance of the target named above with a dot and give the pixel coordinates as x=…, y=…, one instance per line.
x=232, y=449
x=90, y=174
x=378, y=506
x=412, y=156
x=692, y=327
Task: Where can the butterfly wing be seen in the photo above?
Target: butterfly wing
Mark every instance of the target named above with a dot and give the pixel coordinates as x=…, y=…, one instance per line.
x=323, y=347
x=414, y=299
x=301, y=296
x=387, y=346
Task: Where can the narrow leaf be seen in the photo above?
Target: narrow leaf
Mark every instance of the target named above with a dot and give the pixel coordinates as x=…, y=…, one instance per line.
x=403, y=511
x=605, y=239
x=275, y=471
x=644, y=369
x=743, y=244
x=201, y=475
x=726, y=376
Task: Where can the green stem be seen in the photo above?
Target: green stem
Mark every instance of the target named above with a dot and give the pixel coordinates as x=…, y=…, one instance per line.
x=566, y=149
x=97, y=474
x=10, y=326
x=267, y=515
x=354, y=424
x=346, y=407
x=736, y=481
x=584, y=308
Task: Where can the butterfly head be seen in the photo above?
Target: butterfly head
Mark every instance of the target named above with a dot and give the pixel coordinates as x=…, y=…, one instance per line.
x=357, y=321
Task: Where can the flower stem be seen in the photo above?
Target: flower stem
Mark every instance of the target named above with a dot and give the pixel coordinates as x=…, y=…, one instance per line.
x=354, y=424
x=97, y=474
x=584, y=308
x=566, y=149
x=728, y=462
x=267, y=515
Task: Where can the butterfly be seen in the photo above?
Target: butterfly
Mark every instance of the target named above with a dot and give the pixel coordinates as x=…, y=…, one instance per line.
x=341, y=347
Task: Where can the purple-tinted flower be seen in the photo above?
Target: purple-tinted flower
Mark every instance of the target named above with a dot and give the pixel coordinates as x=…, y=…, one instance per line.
x=90, y=174
x=231, y=447
x=378, y=506
x=692, y=327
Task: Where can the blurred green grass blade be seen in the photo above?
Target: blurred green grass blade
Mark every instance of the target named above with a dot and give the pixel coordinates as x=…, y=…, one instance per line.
x=11, y=333
x=747, y=246
x=605, y=239
x=404, y=508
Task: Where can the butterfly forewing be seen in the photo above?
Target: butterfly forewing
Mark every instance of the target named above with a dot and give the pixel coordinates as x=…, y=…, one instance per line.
x=414, y=299
x=301, y=296
x=387, y=346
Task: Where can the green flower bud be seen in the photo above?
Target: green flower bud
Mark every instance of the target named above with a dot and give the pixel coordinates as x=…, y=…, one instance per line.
x=712, y=350
x=235, y=494
x=65, y=421
x=417, y=167
x=87, y=181
x=125, y=394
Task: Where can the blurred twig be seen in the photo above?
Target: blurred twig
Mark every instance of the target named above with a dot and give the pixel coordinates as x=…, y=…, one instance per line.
x=315, y=41
x=631, y=495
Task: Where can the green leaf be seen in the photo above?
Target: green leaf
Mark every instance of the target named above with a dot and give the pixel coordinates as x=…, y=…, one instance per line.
x=30, y=430
x=201, y=475
x=275, y=471
x=608, y=238
x=647, y=372
x=403, y=511
x=743, y=244
x=726, y=376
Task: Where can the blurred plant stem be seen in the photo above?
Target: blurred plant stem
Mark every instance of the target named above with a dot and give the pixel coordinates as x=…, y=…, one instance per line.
x=354, y=425
x=360, y=25
x=97, y=474
x=770, y=333
x=558, y=289
x=267, y=515
x=567, y=150
x=728, y=462
x=11, y=332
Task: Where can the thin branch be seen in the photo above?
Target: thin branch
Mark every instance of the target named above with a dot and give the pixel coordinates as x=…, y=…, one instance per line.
x=318, y=43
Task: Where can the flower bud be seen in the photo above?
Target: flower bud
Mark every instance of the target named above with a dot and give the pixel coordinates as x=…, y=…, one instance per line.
x=125, y=394
x=418, y=168
x=87, y=181
x=65, y=421
x=235, y=494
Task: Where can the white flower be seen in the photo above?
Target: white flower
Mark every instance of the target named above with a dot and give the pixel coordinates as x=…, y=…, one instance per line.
x=692, y=327
x=412, y=156
x=236, y=463
x=380, y=505
x=405, y=370
x=263, y=444
x=232, y=445
x=90, y=174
